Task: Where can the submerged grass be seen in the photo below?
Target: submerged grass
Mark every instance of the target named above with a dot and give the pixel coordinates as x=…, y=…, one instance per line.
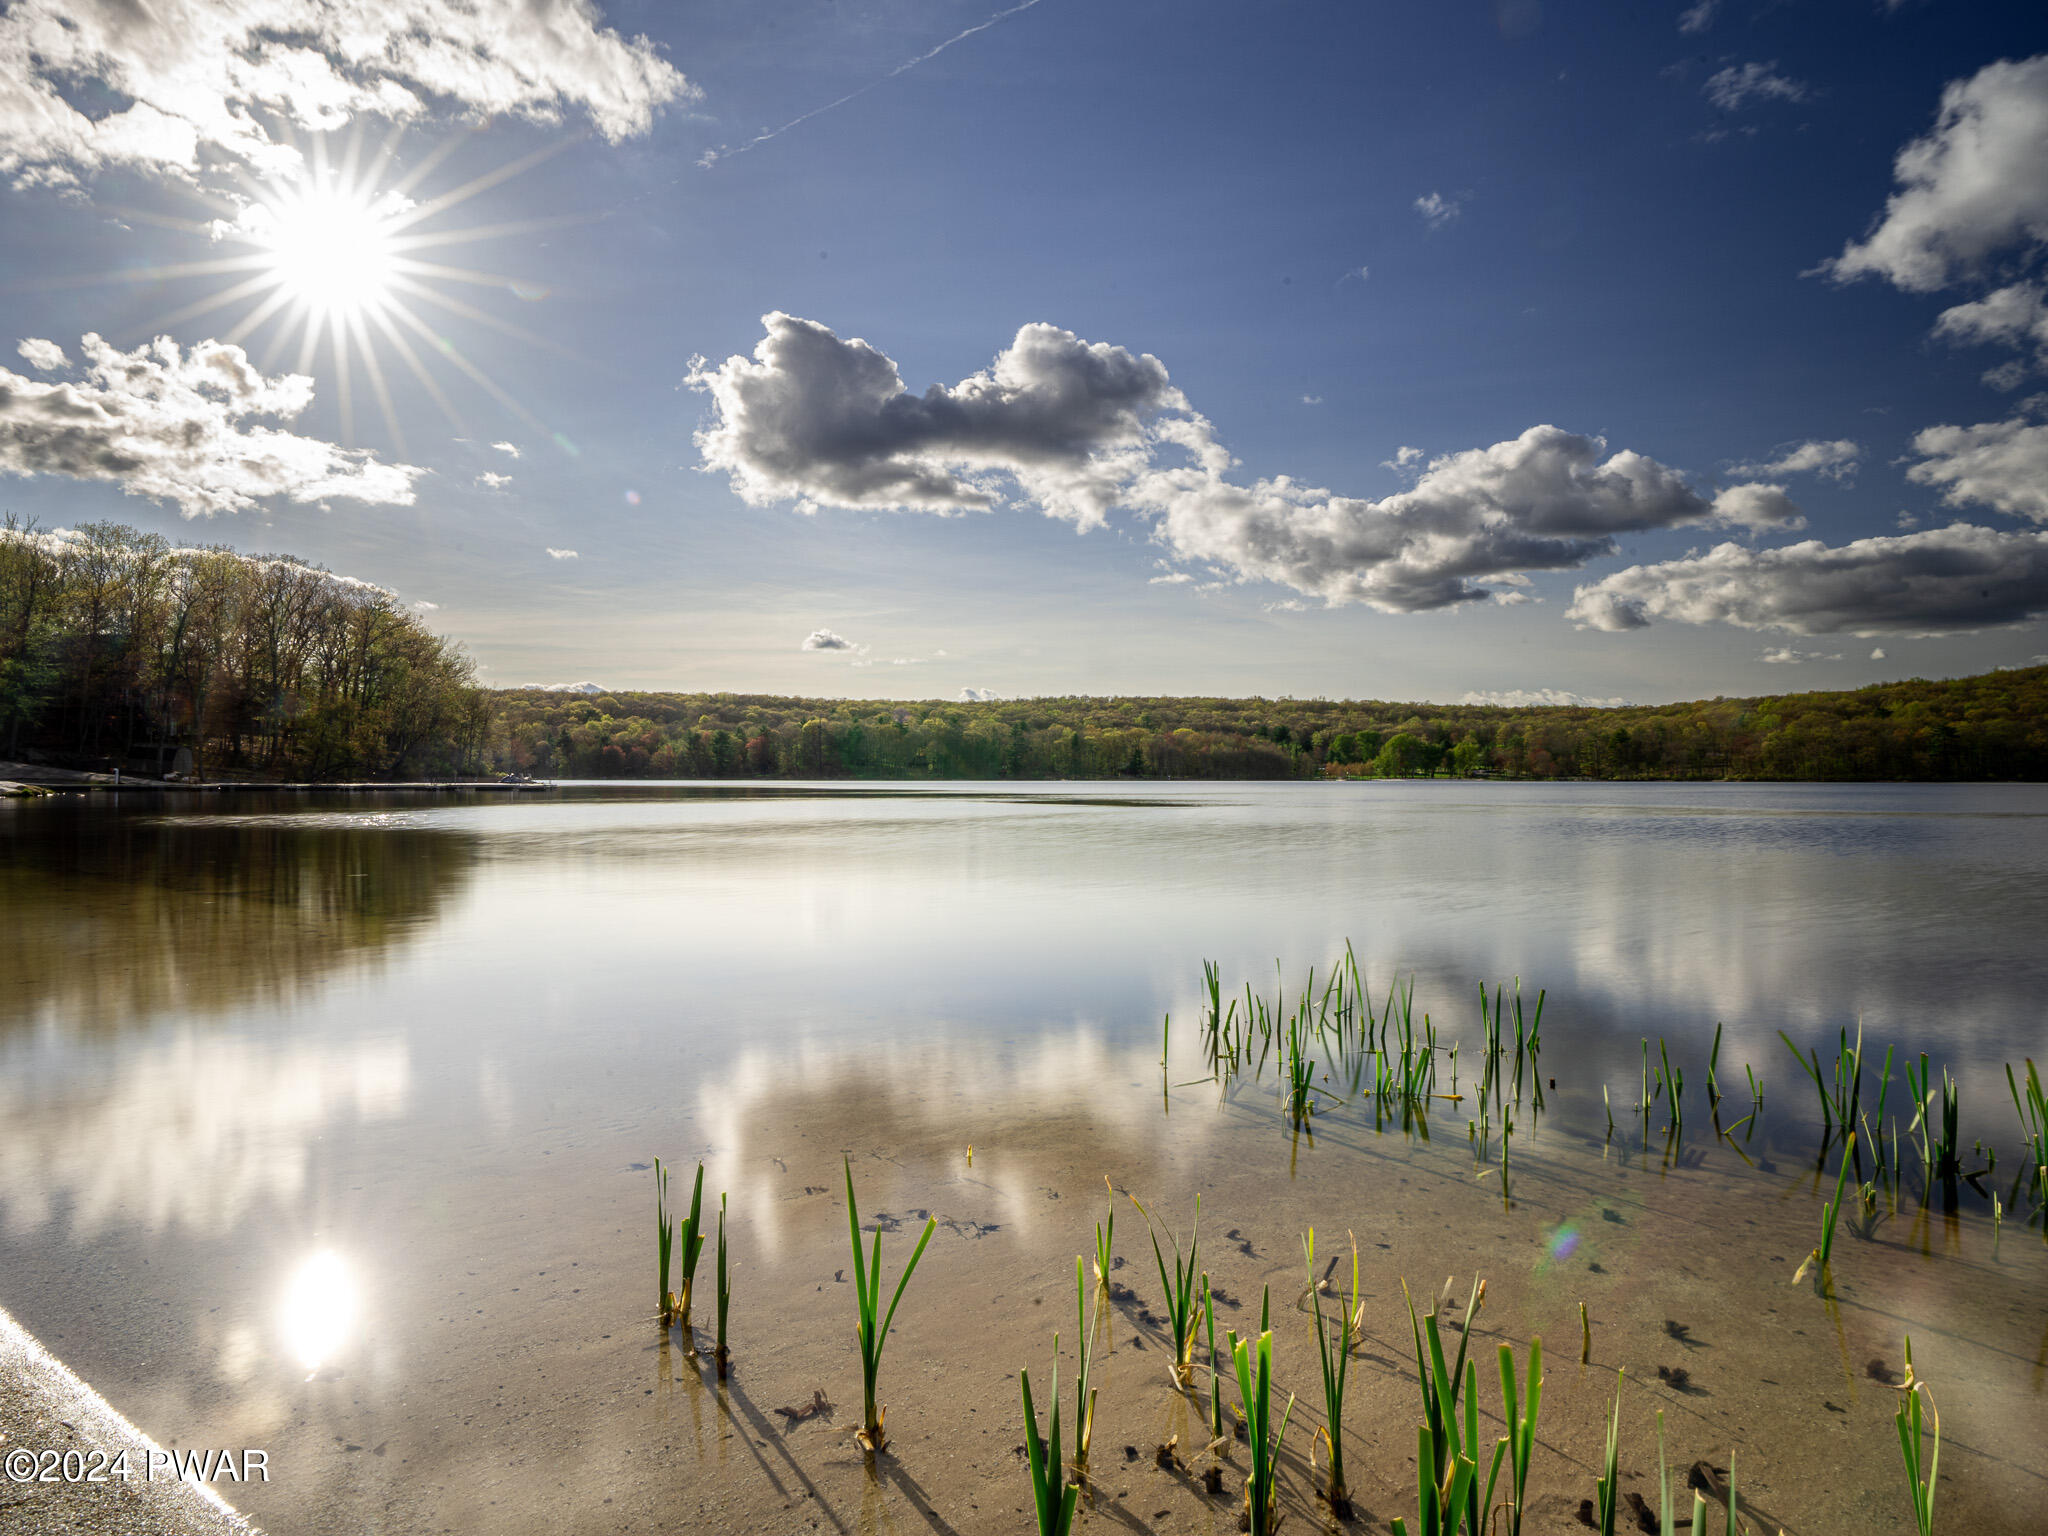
x=1829, y=1215
x=1084, y=1394
x=867, y=1285
x=723, y=1355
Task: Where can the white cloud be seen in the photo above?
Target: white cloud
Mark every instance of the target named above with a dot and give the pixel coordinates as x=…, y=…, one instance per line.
x=1178, y=578
x=825, y=640
x=510, y=450
x=1311, y=399
x=1973, y=187
x=1438, y=210
x=1836, y=460
x=1999, y=464
x=198, y=79
x=1404, y=460
x=1080, y=428
x=45, y=356
x=978, y=696
x=2006, y=377
x=562, y=554
x=583, y=688
x=1786, y=656
x=1757, y=507
x=1697, y=18
x=1738, y=85
x=2015, y=315
x=423, y=606
x=493, y=482
x=1877, y=653
x=1537, y=698
x=1941, y=581
x=173, y=426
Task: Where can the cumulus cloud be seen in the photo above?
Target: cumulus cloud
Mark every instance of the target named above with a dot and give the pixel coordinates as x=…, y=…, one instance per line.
x=1311, y=399
x=174, y=426
x=1940, y=581
x=1537, y=698
x=978, y=696
x=1973, y=187
x=562, y=554
x=1877, y=653
x=1786, y=656
x=193, y=80
x=1738, y=85
x=423, y=606
x=1998, y=464
x=1081, y=428
x=493, y=482
x=1438, y=210
x=1404, y=461
x=1836, y=460
x=510, y=450
x=825, y=640
x=2015, y=315
x=583, y=688
x=1697, y=18
x=45, y=356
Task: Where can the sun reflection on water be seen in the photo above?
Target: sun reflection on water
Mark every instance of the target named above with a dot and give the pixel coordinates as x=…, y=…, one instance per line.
x=320, y=1307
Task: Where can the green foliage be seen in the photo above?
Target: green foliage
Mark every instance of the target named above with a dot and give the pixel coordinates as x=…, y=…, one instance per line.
x=1051, y=1499
x=1183, y=1305
x=1335, y=1357
x=1989, y=727
x=1916, y=1406
x=119, y=650
x=1254, y=1368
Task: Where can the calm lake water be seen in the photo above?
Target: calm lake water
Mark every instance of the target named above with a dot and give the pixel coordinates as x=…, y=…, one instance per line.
x=324, y=1125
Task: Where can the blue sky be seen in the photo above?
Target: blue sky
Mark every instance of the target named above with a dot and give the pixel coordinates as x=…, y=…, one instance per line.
x=1307, y=281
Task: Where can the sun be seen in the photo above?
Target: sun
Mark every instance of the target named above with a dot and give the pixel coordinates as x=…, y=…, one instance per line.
x=329, y=267
x=331, y=250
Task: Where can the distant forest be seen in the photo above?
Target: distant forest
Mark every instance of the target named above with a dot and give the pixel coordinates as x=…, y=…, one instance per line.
x=120, y=650
x=1989, y=727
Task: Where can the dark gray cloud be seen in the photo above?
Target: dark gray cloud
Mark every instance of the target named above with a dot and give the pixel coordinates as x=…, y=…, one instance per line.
x=1937, y=581
x=1081, y=428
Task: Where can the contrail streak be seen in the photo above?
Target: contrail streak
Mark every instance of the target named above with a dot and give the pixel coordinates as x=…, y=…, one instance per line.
x=711, y=157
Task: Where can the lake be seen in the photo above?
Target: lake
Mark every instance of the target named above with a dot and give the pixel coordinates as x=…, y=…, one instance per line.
x=327, y=1123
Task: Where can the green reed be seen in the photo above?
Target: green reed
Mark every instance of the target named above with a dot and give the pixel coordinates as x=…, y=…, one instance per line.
x=1841, y=1091
x=1215, y=1396
x=1664, y=1510
x=1084, y=1394
x=664, y=1245
x=689, y=1245
x=1183, y=1304
x=1052, y=1497
x=867, y=1288
x=1608, y=1485
x=1448, y=1469
x=1829, y=1214
x=2032, y=1108
x=1519, y=1414
x=1916, y=1407
x=1713, y=1071
x=1104, y=1238
x=1938, y=1138
x=1254, y=1369
x=723, y=1357
x=1335, y=1358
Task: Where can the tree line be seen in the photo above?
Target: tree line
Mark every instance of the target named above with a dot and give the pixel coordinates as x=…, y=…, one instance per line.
x=1994, y=726
x=121, y=650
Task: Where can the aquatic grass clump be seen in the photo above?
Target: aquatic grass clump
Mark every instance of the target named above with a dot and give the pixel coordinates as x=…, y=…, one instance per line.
x=1084, y=1394
x=678, y=1246
x=867, y=1289
x=1829, y=1214
x=1335, y=1357
x=1447, y=1465
x=1183, y=1305
x=2032, y=1108
x=1939, y=1142
x=1841, y=1091
x=664, y=1245
x=1608, y=1485
x=1254, y=1369
x=1915, y=1406
x=1052, y=1498
x=1520, y=1417
x=1105, y=1237
x=723, y=1356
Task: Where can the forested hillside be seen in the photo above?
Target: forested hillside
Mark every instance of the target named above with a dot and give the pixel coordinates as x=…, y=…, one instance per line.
x=1989, y=727
x=119, y=650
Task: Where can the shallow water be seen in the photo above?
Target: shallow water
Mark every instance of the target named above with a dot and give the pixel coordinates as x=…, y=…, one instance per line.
x=439, y=1040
